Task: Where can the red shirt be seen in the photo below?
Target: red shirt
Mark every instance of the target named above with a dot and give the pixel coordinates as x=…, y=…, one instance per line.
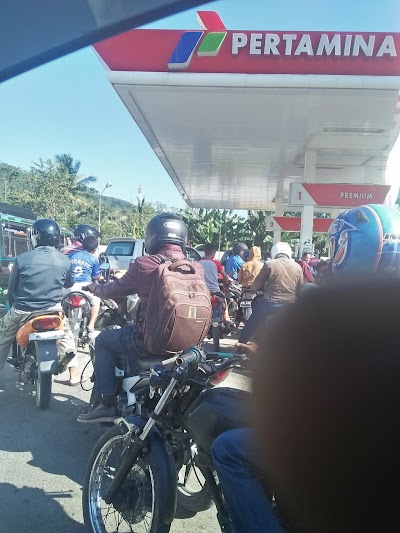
x=76, y=246
x=307, y=274
x=220, y=268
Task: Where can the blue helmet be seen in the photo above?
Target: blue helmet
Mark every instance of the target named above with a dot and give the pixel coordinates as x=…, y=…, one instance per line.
x=365, y=240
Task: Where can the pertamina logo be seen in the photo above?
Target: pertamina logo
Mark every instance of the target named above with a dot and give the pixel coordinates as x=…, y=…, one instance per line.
x=214, y=35
x=250, y=44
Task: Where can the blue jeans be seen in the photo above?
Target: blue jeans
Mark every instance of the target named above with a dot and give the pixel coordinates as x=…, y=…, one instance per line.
x=261, y=309
x=114, y=346
x=235, y=459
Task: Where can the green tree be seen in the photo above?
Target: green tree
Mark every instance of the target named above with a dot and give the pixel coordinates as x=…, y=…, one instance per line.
x=73, y=166
x=256, y=228
x=51, y=187
x=211, y=225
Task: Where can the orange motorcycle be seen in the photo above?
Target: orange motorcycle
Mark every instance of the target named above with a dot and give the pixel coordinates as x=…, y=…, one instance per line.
x=35, y=353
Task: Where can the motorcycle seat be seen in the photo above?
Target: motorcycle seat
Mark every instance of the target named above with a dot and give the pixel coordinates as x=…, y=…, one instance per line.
x=149, y=361
x=34, y=314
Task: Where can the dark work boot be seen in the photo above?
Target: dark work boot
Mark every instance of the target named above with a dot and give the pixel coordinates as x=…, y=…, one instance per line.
x=106, y=411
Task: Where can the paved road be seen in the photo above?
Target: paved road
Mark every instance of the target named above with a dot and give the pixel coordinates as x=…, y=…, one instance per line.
x=43, y=455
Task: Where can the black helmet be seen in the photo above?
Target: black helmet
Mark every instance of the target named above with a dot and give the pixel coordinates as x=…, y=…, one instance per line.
x=239, y=247
x=45, y=232
x=166, y=228
x=84, y=230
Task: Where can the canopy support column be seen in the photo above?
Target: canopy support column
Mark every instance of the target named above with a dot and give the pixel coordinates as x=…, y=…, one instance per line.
x=278, y=213
x=307, y=214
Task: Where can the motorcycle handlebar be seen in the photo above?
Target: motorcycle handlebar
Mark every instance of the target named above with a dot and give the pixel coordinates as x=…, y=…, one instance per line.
x=193, y=355
x=226, y=355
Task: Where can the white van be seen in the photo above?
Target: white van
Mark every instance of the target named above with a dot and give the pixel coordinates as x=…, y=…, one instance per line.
x=123, y=250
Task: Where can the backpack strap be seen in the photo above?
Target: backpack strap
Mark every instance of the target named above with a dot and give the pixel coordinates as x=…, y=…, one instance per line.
x=161, y=259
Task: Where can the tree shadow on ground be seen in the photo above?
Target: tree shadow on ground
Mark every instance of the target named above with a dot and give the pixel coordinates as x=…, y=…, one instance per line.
x=57, y=443
x=20, y=507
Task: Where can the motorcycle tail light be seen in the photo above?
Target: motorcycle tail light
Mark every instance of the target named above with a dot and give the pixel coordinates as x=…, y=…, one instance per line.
x=220, y=376
x=214, y=300
x=76, y=301
x=46, y=323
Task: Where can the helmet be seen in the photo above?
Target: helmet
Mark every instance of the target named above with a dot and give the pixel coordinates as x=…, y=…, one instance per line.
x=239, y=247
x=365, y=240
x=45, y=232
x=281, y=248
x=83, y=230
x=165, y=228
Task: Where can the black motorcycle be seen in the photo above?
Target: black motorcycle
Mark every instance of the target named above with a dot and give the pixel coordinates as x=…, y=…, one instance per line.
x=219, y=325
x=76, y=307
x=233, y=293
x=246, y=300
x=139, y=468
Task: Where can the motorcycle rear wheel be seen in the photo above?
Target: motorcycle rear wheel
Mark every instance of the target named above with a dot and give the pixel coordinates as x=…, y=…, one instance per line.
x=216, y=336
x=246, y=313
x=193, y=494
x=75, y=319
x=43, y=390
x=232, y=309
x=138, y=496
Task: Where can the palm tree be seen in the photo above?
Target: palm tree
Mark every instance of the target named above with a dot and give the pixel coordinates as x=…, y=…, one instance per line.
x=73, y=166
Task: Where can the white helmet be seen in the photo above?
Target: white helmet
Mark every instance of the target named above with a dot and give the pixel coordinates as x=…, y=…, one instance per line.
x=281, y=248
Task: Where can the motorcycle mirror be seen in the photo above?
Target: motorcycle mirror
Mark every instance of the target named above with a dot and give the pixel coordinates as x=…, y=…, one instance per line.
x=105, y=266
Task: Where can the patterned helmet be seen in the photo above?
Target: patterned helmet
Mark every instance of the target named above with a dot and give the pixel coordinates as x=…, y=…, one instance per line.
x=365, y=240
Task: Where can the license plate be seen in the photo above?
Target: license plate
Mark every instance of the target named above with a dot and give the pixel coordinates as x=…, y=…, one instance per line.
x=215, y=324
x=46, y=336
x=245, y=304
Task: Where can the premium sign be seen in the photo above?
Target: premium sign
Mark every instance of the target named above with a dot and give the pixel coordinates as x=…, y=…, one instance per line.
x=336, y=194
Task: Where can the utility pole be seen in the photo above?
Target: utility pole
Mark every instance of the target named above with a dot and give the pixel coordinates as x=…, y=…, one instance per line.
x=108, y=185
x=140, y=199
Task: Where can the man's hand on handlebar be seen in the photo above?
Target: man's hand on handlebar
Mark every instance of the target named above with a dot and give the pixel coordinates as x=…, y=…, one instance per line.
x=249, y=348
x=90, y=288
x=117, y=274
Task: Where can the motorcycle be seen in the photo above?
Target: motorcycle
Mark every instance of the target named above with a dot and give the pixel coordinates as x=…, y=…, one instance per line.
x=232, y=293
x=77, y=308
x=140, y=468
x=219, y=325
x=245, y=303
x=35, y=353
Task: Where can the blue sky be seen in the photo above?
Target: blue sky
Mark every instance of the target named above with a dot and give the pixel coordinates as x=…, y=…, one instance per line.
x=68, y=105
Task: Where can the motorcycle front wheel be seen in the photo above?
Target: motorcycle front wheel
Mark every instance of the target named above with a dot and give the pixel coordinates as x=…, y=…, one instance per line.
x=136, y=506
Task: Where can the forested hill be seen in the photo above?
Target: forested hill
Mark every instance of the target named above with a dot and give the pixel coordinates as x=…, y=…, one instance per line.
x=54, y=188
x=6, y=170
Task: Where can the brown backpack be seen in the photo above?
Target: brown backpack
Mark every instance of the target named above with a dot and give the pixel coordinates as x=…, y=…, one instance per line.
x=178, y=312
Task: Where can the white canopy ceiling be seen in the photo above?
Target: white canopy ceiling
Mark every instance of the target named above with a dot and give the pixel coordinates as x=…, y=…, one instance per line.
x=236, y=141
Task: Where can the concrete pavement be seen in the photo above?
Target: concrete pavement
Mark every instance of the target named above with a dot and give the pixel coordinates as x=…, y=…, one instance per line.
x=43, y=456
